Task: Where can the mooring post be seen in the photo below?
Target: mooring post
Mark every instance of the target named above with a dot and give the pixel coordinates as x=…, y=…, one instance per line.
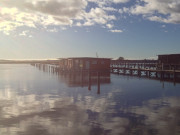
x=123, y=71
x=174, y=73
x=162, y=74
x=156, y=74
x=82, y=78
x=118, y=70
x=89, y=80
x=149, y=73
x=98, y=82
x=146, y=73
x=168, y=75
x=139, y=72
x=130, y=70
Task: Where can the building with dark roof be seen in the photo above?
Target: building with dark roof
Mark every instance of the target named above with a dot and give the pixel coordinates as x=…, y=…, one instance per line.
x=85, y=63
x=169, y=61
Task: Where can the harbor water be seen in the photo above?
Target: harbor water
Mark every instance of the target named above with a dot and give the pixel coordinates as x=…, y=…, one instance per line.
x=40, y=101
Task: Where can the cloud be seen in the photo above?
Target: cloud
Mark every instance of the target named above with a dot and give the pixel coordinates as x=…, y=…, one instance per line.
x=30, y=36
x=109, y=26
x=61, y=8
x=102, y=3
x=116, y=31
x=53, y=30
x=24, y=33
x=58, y=8
x=120, y=1
x=163, y=26
x=78, y=24
x=167, y=11
x=44, y=13
x=10, y=21
x=37, y=14
x=98, y=16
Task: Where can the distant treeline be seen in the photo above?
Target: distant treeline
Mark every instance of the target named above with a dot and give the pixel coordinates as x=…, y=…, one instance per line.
x=26, y=61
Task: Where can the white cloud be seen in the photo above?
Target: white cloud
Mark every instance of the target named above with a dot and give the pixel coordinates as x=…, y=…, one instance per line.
x=64, y=28
x=88, y=23
x=12, y=18
x=44, y=13
x=167, y=11
x=58, y=8
x=97, y=16
x=52, y=30
x=116, y=31
x=7, y=26
x=39, y=13
x=120, y=11
x=109, y=26
x=102, y=3
x=24, y=33
x=78, y=24
x=163, y=26
x=120, y=1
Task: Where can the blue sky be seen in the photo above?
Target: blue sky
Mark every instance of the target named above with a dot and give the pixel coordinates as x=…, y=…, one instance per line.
x=44, y=29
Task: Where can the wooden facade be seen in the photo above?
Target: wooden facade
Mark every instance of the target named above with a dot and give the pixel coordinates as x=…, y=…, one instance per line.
x=85, y=63
x=169, y=62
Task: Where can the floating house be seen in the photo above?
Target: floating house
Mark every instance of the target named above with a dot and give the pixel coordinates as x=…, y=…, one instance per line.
x=169, y=62
x=85, y=63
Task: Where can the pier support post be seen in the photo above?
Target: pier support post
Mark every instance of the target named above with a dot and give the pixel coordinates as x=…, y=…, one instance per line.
x=130, y=71
x=162, y=74
x=139, y=72
x=174, y=73
x=156, y=74
x=89, y=80
x=82, y=78
x=149, y=74
x=98, y=83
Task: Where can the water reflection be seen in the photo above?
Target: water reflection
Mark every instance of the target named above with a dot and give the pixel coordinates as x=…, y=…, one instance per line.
x=82, y=78
x=162, y=116
x=49, y=104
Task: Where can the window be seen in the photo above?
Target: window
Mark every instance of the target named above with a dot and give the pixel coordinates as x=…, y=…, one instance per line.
x=94, y=62
x=102, y=62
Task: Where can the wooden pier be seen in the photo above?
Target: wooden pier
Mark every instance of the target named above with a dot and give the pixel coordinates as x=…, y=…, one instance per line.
x=173, y=75
x=144, y=68
x=139, y=68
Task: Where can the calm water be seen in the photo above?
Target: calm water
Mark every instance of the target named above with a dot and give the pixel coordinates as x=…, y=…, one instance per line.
x=35, y=102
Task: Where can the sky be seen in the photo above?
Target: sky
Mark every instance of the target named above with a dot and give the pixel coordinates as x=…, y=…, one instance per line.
x=48, y=29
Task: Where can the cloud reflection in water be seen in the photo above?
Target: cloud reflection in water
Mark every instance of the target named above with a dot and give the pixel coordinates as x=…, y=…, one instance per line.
x=47, y=109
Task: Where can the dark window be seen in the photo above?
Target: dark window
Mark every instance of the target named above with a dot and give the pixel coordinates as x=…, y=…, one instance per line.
x=94, y=62
x=102, y=62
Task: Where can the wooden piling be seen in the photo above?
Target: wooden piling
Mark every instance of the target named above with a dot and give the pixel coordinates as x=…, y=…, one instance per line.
x=98, y=83
x=89, y=80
